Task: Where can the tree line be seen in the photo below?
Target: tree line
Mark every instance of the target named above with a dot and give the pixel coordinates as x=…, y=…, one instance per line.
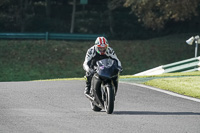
x=118, y=19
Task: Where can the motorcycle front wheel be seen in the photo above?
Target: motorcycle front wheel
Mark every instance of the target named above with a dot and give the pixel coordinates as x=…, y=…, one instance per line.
x=109, y=99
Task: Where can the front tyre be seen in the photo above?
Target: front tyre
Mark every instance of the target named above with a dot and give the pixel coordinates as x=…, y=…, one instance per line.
x=109, y=99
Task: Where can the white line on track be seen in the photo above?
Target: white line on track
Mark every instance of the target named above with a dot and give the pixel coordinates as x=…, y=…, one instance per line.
x=163, y=91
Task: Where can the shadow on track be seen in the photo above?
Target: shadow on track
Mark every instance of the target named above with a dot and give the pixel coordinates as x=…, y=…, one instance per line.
x=153, y=113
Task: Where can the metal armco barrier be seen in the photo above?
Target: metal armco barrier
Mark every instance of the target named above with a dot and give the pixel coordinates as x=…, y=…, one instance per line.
x=183, y=66
x=188, y=65
x=49, y=36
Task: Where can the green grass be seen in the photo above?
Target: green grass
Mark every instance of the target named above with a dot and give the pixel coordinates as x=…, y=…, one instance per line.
x=196, y=73
x=188, y=86
x=186, y=83
x=61, y=79
x=23, y=60
x=33, y=60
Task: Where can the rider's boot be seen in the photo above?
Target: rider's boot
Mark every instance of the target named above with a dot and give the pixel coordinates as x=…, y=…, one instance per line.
x=87, y=90
x=88, y=86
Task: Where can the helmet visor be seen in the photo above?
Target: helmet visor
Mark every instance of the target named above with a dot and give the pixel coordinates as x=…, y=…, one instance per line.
x=102, y=49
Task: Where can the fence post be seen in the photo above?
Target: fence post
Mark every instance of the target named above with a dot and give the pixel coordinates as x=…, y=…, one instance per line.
x=47, y=36
x=196, y=49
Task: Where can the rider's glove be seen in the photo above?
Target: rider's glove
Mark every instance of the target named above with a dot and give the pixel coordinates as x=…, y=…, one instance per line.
x=120, y=69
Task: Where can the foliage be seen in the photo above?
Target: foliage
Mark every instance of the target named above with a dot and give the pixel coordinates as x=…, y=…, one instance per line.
x=16, y=13
x=156, y=13
x=108, y=17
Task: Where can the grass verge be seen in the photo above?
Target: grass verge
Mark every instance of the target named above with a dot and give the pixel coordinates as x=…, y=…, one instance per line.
x=188, y=86
x=182, y=83
x=60, y=79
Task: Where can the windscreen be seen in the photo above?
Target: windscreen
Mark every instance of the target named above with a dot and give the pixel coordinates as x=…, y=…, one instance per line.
x=107, y=63
x=107, y=68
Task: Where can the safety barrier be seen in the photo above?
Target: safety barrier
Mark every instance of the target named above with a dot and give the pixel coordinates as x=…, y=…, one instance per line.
x=188, y=65
x=49, y=36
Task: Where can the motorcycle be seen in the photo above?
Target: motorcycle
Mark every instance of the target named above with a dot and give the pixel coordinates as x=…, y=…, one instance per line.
x=103, y=91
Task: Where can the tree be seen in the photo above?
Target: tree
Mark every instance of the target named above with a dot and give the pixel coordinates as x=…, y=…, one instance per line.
x=16, y=13
x=48, y=8
x=156, y=13
x=112, y=4
x=25, y=12
x=73, y=17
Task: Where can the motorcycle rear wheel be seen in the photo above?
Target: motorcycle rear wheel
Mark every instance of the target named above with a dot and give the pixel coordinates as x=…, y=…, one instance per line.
x=109, y=101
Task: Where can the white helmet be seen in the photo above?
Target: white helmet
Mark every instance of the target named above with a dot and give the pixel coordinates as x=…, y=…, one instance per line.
x=101, y=45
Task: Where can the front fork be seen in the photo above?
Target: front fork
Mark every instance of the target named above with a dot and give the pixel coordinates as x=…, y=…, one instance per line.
x=113, y=84
x=98, y=88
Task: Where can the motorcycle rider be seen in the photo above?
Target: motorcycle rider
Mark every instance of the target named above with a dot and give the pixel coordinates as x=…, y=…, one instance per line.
x=99, y=51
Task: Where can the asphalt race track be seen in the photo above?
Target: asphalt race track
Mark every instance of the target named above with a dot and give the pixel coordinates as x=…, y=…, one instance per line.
x=61, y=107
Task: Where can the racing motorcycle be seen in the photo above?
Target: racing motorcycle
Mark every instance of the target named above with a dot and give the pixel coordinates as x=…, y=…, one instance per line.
x=103, y=91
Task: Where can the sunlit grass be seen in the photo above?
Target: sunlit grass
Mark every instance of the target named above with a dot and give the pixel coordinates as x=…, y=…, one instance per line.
x=186, y=83
x=183, y=85
x=196, y=73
